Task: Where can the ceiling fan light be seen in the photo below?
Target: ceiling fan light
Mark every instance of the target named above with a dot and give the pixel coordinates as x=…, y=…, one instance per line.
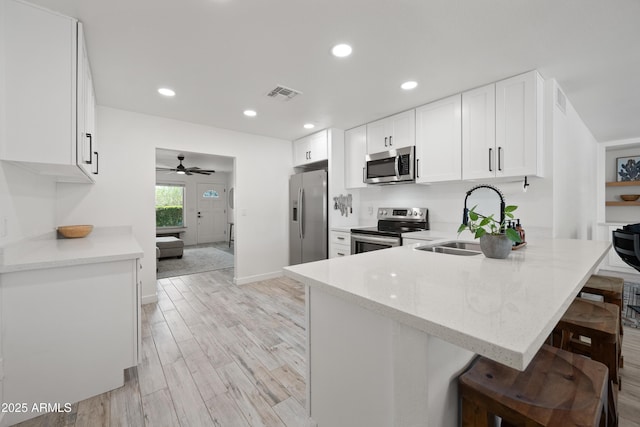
x=180, y=172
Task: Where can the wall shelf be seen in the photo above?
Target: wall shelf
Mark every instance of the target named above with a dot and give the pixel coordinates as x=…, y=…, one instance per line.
x=622, y=203
x=623, y=184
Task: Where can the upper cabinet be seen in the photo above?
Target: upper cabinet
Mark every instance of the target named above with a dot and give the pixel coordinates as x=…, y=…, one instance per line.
x=355, y=150
x=43, y=56
x=439, y=141
x=502, y=128
x=479, y=133
x=310, y=149
x=519, y=124
x=86, y=103
x=392, y=132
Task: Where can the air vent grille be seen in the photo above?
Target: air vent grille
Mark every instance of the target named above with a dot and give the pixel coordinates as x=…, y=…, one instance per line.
x=283, y=93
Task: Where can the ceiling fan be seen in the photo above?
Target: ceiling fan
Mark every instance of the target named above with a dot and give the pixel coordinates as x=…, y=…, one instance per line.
x=180, y=169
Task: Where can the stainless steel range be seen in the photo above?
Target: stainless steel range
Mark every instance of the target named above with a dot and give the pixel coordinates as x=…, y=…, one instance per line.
x=392, y=222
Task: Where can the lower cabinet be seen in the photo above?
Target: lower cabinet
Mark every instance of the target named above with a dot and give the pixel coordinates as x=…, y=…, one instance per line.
x=339, y=244
x=68, y=332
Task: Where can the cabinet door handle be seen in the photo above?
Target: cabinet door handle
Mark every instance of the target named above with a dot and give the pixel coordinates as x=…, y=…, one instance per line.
x=499, y=155
x=340, y=254
x=390, y=141
x=88, y=135
x=385, y=141
x=490, y=156
x=97, y=162
x=340, y=238
x=417, y=168
x=363, y=178
x=309, y=154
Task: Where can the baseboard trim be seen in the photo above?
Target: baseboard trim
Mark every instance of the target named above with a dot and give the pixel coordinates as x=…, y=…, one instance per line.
x=149, y=299
x=256, y=278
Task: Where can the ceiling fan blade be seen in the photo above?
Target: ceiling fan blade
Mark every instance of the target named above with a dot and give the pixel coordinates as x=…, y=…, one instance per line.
x=202, y=172
x=165, y=169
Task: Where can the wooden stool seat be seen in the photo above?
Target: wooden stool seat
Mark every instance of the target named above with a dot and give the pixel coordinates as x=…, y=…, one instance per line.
x=558, y=388
x=610, y=288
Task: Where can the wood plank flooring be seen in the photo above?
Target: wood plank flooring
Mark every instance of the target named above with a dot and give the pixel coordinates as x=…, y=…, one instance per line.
x=217, y=354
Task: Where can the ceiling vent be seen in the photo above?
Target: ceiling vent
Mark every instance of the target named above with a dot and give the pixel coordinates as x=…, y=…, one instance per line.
x=283, y=93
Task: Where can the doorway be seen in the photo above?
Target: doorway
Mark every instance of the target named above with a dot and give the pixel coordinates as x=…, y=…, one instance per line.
x=204, y=208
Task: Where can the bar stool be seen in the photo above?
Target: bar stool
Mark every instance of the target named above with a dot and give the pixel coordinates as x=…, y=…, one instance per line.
x=591, y=329
x=558, y=388
x=609, y=288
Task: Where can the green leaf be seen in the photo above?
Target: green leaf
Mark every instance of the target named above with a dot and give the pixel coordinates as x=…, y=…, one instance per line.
x=513, y=235
x=461, y=228
x=510, y=208
x=480, y=232
x=484, y=222
x=508, y=215
x=473, y=216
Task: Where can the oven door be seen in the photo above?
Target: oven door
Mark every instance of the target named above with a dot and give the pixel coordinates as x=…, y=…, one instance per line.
x=390, y=167
x=366, y=243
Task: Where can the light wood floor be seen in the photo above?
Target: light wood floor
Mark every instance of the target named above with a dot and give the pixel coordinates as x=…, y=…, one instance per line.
x=216, y=354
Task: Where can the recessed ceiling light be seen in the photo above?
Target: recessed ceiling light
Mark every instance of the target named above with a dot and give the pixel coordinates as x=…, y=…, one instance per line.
x=250, y=113
x=309, y=125
x=166, y=91
x=341, y=50
x=409, y=85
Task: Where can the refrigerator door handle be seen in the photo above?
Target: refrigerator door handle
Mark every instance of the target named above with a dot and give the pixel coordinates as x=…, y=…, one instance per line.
x=301, y=208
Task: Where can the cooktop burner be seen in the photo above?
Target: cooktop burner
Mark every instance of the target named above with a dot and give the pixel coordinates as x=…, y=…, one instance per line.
x=395, y=221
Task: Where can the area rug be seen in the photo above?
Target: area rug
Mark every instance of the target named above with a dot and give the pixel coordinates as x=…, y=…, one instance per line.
x=631, y=305
x=196, y=259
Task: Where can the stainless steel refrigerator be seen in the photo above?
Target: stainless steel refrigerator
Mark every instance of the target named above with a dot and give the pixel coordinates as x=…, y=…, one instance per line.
x=308, y=217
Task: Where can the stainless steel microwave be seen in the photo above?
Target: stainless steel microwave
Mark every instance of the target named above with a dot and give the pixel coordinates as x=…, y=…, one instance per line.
x=391, y=167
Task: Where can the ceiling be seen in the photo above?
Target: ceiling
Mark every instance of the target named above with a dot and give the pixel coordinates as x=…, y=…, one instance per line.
x=223, y=56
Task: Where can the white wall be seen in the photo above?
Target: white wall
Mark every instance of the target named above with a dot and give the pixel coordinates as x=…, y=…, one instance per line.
x=574, y=171
x=27, y=204
x=190, y=236
x=124, y=191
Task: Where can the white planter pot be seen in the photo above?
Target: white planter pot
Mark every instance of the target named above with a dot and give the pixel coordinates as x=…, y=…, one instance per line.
x=496, y=246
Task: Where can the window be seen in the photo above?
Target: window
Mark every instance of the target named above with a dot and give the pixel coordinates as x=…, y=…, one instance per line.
x=169, y=205
x=210, y=194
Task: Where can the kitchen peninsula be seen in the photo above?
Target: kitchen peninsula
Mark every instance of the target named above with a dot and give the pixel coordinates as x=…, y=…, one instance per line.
x=389, y=331
x=70, y=317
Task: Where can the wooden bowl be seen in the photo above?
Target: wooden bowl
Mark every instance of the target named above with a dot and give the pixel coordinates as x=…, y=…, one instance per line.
x=75, y=231
x=630, y=197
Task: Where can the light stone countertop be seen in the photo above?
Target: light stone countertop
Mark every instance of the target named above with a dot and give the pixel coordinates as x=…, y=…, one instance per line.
x=104, y=244
x=501, y=309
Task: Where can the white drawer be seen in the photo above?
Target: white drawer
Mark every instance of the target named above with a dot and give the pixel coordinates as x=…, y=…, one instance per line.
x=339, y=250
x=340, y=238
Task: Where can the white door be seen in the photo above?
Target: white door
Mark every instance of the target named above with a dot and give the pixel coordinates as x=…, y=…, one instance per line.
x=212, y=212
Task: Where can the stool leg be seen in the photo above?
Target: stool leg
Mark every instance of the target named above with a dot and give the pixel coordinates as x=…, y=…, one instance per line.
x=475, y=416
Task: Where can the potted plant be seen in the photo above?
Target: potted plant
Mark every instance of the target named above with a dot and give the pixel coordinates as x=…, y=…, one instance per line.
x=496, y=240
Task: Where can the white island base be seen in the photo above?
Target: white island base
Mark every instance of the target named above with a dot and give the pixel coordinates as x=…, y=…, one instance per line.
x=366, y=369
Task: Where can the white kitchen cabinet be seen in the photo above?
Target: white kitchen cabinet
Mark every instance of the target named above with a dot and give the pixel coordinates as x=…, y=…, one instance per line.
x=40, y=62
x=392, y=132
x=86, y=104
x=355, y=150
x=311, y=149
x=339, y=244
x=519, y=125
x=74, y=330
x=439, y=141
x=479, y=133
x=502, y=128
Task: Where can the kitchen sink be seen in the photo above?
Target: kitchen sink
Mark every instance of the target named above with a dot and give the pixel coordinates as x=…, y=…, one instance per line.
x=455, y=247
x=457, y=244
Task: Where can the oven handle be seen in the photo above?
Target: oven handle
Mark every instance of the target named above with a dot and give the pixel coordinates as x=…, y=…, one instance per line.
x=375, y=239
x=398, y=166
